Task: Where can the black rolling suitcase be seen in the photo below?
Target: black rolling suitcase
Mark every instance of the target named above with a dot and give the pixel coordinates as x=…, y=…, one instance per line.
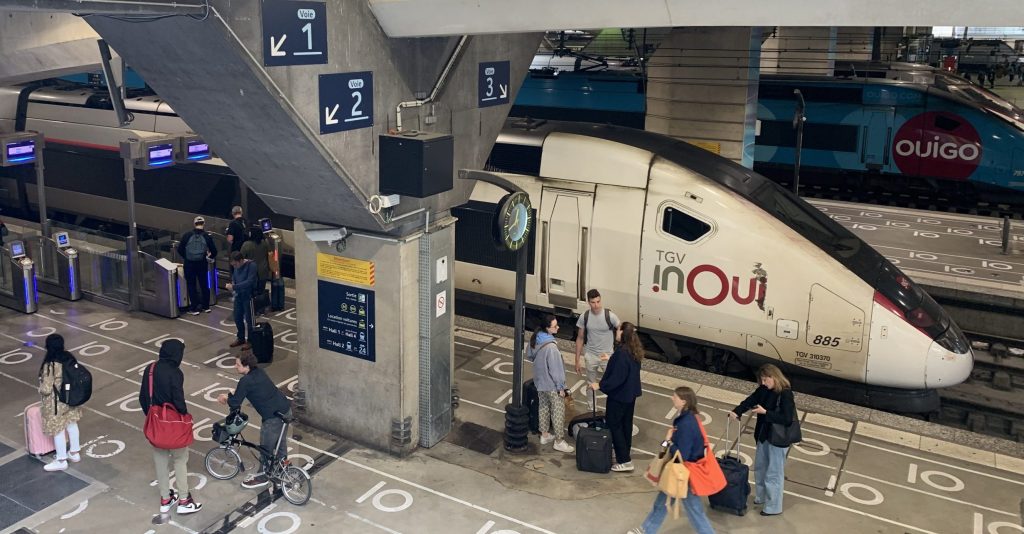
x=260, y=302
x=532, y=401
x=733, y=497
x=263, y=342
x=595, y=418
x=594, y=445
x=277, y=294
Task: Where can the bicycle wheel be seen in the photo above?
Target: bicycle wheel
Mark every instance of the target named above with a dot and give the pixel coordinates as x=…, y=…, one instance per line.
x=223, y=463
x=296, y=485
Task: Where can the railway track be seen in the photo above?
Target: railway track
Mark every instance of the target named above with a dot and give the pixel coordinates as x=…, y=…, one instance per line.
x=914, y=201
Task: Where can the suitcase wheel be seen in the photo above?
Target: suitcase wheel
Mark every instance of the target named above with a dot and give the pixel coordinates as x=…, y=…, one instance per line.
x=741, y=512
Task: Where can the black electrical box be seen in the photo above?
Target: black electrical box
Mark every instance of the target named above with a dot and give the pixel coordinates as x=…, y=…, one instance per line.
x=416, y=164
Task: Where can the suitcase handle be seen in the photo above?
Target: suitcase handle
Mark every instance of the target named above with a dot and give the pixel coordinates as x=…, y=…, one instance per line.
x=742, y=426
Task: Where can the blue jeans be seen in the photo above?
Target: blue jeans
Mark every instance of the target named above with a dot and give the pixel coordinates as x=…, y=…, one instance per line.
x=243, y=317
x=694, y=512
x=769, y=476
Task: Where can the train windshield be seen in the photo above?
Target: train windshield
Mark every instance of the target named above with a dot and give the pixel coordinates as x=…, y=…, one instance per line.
x=806, y=220
x=982, y=97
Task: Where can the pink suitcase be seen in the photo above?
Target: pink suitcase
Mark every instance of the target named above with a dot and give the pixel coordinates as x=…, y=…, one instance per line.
x=36, y=441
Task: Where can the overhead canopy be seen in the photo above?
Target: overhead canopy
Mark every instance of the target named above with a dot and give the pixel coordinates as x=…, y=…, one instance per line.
x=420, y=18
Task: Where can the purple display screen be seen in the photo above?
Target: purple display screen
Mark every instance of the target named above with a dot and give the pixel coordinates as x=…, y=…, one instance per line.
x=21, y=151
x=198, y=150
x=161, y=154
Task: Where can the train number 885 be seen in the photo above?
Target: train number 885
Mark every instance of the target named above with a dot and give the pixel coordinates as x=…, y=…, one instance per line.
x=828, y=341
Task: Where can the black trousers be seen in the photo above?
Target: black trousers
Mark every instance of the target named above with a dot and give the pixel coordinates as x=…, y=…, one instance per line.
x=620, y=422
x=197, y=282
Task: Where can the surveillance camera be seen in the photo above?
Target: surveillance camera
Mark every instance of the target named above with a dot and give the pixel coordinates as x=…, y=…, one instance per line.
x=330, y=236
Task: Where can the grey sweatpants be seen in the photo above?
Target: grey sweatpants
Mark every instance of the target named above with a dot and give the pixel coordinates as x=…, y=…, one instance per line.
x=162, y=458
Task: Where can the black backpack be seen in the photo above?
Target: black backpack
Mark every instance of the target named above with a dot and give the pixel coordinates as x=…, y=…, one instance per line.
x=586, y=319
x=77, y=388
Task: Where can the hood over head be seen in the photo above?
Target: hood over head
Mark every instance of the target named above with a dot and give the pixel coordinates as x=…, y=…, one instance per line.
x=172, y=350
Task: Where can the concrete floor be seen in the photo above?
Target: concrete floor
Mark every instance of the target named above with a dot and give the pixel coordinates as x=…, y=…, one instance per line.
x=887, y=480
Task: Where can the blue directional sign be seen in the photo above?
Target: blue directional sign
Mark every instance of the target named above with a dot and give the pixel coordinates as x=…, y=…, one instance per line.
x=492, y=83
x=347, y=320
x=294, y=33
x=346, y=101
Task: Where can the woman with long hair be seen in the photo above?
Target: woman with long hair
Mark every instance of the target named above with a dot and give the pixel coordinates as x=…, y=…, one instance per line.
x=773, y=402
x=549, y=378
x=57, y=416
x=686, y=437
x=621, y=383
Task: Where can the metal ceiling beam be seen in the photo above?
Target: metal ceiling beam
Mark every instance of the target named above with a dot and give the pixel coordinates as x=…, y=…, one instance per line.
x=127, y=8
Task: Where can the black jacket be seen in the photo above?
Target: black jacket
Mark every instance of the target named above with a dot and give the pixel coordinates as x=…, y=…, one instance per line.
x=778, y=411
x=257, y=386
x=184, y=242
x=168, y=380
x=621, y=380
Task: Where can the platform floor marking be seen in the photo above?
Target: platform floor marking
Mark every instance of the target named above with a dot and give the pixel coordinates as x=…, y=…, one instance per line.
x=293, y=351
x=371, y=523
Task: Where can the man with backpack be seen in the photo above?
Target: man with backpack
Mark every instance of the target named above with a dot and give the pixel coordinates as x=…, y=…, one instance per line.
x=197, y=249
x=595, y=339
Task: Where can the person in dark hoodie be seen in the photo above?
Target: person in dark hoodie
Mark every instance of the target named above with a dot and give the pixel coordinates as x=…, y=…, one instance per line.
x=268, y=401
x=169, y=388
x=621, y=383
x=196, y=249
x=243, y=283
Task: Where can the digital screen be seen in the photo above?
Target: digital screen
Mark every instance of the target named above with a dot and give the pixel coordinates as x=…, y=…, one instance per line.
x=17, y=249
x=161, y=155
x=198, y=150
x=21, y=151
x=62, y=239
x=265, y=225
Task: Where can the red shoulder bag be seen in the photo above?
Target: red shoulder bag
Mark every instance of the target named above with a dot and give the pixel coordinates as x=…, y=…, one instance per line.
x=165, y=428
x=706, y=477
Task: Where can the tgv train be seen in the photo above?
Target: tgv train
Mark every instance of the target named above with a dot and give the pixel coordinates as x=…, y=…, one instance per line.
x=895, y=127
x=84, y=172
x=720, y=266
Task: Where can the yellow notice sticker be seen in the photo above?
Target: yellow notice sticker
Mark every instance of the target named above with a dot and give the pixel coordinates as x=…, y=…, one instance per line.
x=711, y=146
x=345, y=269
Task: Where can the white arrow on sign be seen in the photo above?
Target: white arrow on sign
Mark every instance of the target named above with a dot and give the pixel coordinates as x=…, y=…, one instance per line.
x=329, y=114
x=504, y=90
x=275, y=47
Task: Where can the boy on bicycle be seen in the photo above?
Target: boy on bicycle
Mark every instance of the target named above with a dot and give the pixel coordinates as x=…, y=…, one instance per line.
x=264, y=396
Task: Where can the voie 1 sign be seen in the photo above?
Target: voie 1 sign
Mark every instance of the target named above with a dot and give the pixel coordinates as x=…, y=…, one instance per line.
x=294, y=33
x=346, y=320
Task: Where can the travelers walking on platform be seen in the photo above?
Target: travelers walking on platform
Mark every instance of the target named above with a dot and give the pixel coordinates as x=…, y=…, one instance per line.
x=773, y=403
x=58, y=417
x=258, y=249
x=549, y=378
x=268, y=401
x=243, y=282
x=686, y=437
x=595, y=340
x=621, y=383
x=197, y=250
x=167, y=383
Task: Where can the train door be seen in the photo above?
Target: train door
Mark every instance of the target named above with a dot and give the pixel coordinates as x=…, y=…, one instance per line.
x=565, y=221
x=834, y=323
x=876, y=137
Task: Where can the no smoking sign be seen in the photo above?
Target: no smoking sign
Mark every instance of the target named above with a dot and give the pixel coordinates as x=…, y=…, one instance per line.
x=441, y=303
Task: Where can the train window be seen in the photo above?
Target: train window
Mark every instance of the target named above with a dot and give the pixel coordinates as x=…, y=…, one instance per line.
x=683, y=225
x=831, y=137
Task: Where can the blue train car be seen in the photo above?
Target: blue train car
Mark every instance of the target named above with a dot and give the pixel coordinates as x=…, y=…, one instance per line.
x=912, y=130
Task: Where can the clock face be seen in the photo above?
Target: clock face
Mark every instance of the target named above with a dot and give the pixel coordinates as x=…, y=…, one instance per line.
x=514, y=220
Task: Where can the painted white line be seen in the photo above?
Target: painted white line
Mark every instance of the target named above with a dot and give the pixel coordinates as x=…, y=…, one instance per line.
x=371, y=523
x=936, y=495
x=859, y=512
x=994, y=258
x=943, y=464
x=264, y=317
x=79, y=509
x=252, y=519
x=229, y=333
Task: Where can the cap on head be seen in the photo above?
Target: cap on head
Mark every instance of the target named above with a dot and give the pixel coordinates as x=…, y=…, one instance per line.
x=199, y=221
x=237, y=210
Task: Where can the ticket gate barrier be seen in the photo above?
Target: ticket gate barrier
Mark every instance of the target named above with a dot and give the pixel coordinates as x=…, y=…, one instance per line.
x=58, y=269
x=18, y=279
x=159, y=291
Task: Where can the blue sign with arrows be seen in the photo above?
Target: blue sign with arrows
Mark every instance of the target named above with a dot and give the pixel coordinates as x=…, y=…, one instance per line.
x=492, y=83
x=294, y=33
x=346, y=101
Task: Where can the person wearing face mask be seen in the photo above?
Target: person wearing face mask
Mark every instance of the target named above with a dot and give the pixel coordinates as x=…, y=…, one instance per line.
x=773, y=402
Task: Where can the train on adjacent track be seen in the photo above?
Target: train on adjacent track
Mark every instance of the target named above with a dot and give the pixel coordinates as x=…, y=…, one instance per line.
x=680, y=241
x=892, y=128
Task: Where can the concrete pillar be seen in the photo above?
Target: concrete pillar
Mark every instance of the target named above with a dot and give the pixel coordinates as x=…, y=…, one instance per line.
x=34, y=46
x=375, y=327
x=854, y=43
x=702, y=88
x=804, y=51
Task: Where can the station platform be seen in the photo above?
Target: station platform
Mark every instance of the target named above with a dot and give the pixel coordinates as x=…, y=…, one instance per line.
x=957, y=258
x=856, y=471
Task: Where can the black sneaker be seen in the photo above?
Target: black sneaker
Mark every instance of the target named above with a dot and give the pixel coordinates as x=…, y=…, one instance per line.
x=188, y=505
x=165, y=504
x=255, y=481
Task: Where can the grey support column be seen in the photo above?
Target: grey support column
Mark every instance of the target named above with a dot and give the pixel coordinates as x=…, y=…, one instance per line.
x=702, y=88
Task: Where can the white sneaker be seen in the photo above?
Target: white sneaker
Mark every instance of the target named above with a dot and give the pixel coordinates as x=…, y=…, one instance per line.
x=56, y=465
x=74, y=457
x=635, y=531
x=188, y=506
x=545, y=440
x=193, y=312
x=621, y=468
x=562, y=446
